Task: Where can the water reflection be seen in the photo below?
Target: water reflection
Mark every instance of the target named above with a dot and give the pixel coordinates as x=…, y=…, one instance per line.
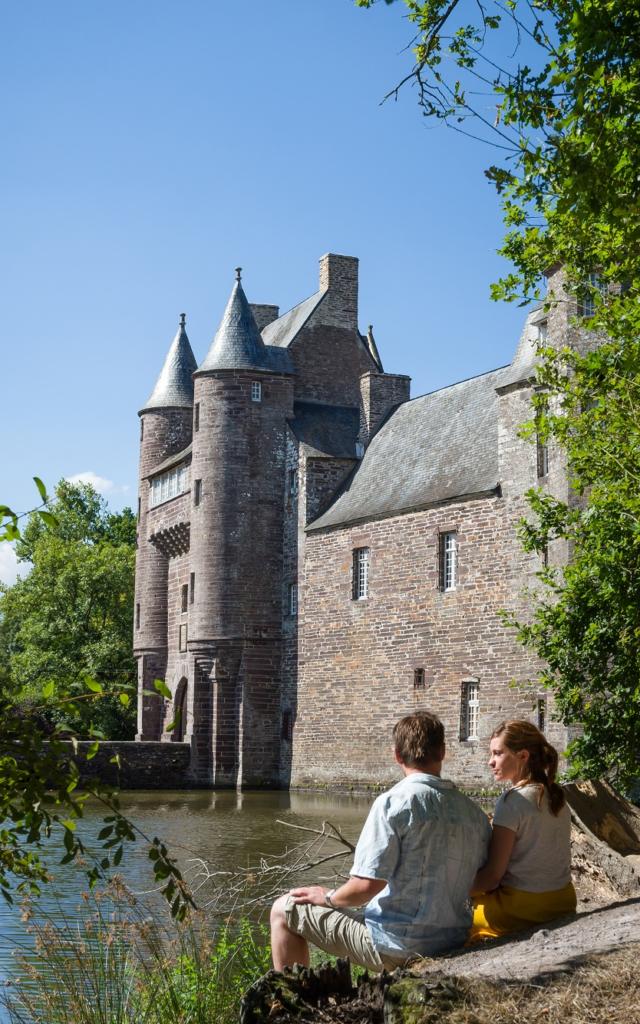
x=227, y=829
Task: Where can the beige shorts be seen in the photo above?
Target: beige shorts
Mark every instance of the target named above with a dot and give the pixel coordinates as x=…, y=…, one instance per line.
x=337, y=933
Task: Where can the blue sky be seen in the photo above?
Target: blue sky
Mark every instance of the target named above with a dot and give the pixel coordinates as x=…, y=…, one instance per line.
x=151, y=147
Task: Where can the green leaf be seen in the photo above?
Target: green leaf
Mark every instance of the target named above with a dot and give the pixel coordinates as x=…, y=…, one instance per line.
x=124, y=699
x=162, y=688
x=93, y=685
x=48, y=690
x=41, y=488
x=48, y=518
x=93, y=750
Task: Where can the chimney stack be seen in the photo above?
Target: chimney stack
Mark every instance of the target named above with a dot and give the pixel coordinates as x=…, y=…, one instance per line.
x=339, y=279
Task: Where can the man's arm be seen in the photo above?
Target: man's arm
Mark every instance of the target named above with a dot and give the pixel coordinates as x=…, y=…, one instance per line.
x=500, y=850
x=354, y=893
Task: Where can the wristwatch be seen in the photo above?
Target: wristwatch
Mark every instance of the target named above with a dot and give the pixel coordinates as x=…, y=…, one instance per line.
x=328, y=899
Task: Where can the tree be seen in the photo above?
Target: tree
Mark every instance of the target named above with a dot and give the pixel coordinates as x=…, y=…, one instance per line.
x=71, y=617
x=565, y=77
x=39, y=777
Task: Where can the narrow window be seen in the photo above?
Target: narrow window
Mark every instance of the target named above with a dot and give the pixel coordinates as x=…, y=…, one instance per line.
x=184, y=596
x=542, y=450
x=287, y=725
x=197, y=492
x=141, y=429
x=541, y=713
x=256, y=391
x=419, y=679
x=470, y=710
x=448, y=561
x=543, y=332
x=293, y=482
x=182, y=641
x=139, y=507
x=192, y=586
x=196, y=417
x=293, y=599
x=360, y=574
x=137, y=616
x=587, y=298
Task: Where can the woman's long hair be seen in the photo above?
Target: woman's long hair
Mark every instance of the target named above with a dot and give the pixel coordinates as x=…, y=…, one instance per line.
x=542, y=765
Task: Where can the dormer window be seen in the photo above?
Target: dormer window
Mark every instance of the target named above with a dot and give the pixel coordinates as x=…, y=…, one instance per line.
x=256, y=391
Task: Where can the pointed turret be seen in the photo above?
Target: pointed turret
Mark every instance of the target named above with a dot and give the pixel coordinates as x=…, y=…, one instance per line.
x=174, y=386
x=237, y=344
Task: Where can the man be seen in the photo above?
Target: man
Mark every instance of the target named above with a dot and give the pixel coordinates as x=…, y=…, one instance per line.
x=414, y=864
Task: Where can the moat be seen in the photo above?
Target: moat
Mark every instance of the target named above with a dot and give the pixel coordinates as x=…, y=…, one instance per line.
x=225, y=828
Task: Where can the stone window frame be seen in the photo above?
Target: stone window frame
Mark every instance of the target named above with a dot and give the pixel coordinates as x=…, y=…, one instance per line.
x=542, y=449
x=138, y=615
x=256, y=391
x=292, y=599
x=169, y=485
x=419, y=679
x=292, y=482
x=196, y=417
x=448, y=560
x=182, y=638
x=360, y=573
x=586, y=298
x=184, y=598
x=541, y=712
x=197, y=491
x=470, y=710
x=192, y=587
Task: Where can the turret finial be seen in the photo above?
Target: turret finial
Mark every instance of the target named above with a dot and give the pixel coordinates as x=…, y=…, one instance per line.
x=238, y=273
x=183, y=319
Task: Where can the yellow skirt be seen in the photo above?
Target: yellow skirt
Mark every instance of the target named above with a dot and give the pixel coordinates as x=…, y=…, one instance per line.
x=508, y=910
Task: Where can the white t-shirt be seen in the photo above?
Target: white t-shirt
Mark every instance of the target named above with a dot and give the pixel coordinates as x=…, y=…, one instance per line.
x=541, y=856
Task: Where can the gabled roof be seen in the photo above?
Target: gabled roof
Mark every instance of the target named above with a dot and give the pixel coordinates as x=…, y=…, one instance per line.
x=432, y=449
x=174, y=386
x=282, y=331
x=326, y=429
x=525, y=361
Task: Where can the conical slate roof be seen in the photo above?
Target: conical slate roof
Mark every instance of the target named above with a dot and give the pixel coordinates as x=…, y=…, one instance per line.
x=174, y=386
x=237, y=344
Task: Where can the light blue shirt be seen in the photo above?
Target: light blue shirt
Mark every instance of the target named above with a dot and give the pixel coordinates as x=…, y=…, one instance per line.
x=426, y=839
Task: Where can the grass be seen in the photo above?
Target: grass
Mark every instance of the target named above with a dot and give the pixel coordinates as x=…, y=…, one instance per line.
x=118, y=965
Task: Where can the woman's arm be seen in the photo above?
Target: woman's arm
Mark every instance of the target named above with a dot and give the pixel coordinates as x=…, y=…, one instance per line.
x=500, y=850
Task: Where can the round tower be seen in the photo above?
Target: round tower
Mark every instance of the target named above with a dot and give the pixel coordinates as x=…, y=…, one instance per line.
x=243, y=393
x=165, y=429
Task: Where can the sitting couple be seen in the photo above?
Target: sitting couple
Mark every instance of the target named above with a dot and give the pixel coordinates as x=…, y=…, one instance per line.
x=425, y=848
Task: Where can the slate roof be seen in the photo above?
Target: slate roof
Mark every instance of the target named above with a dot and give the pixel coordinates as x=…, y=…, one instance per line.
x=525, y=361
x=238, y=345
x=173, y=460
x=441, y=446
x=326, y=429
x=174, y=386
x=282, y=331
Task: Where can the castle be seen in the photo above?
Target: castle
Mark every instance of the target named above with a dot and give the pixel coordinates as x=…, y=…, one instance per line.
x=319, y=554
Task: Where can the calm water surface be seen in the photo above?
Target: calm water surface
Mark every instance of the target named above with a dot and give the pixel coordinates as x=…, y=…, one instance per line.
x=227, y=829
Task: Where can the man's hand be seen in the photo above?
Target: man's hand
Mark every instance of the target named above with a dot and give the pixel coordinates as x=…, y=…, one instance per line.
x=310, y=894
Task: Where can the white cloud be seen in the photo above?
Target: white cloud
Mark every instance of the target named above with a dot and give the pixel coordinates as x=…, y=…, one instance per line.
x=99, y=483
x=8, y=564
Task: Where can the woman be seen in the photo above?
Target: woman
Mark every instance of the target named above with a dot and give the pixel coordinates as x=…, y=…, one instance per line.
x=527, y=878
